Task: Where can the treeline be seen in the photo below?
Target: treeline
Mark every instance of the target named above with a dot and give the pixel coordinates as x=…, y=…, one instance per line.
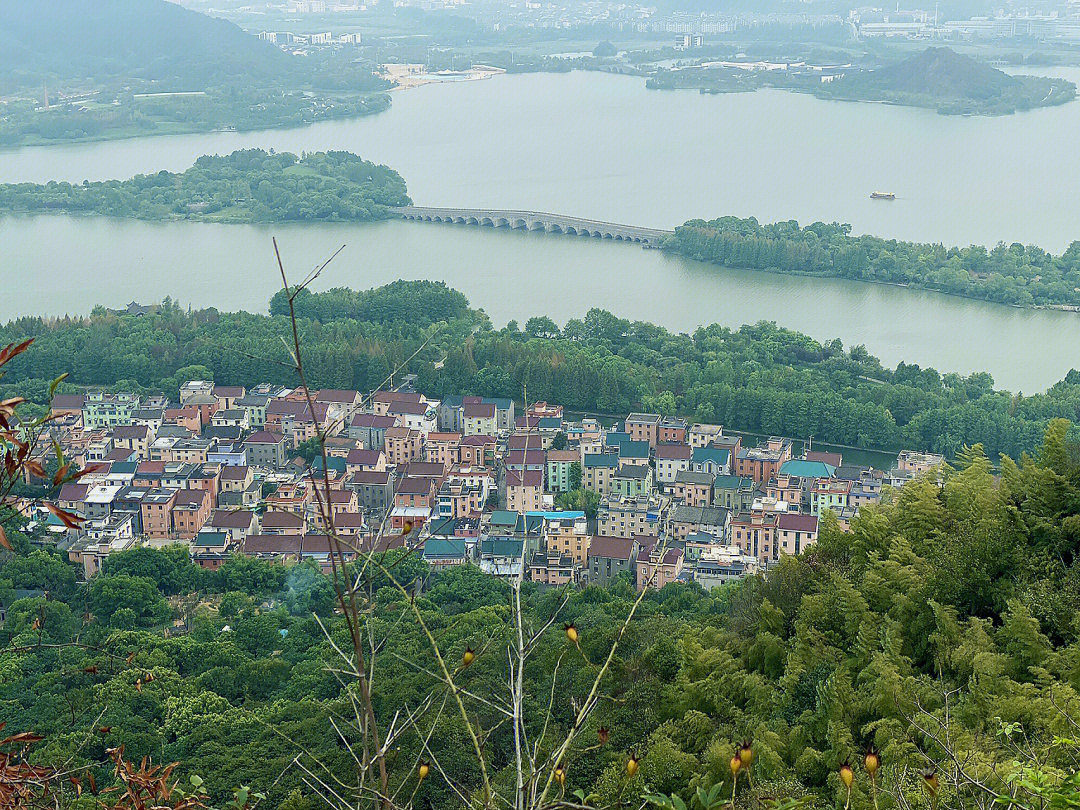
x=758, y=378
x=1008, y=274
x=234, y=107
x=940, y=630
x=249, y=185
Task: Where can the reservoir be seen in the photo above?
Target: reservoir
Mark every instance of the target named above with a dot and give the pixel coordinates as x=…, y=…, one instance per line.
x=602, y=146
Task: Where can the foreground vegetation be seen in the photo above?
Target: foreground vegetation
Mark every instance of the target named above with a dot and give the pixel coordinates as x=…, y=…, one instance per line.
x=247, y=186
x=941, y=632
x=1007, y=274
x=758, y=378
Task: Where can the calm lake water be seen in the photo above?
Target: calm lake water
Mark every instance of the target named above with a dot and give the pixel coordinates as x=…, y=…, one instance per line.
x=603, y=147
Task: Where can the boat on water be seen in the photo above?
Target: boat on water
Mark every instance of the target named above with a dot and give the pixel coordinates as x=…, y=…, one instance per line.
x=882, y=195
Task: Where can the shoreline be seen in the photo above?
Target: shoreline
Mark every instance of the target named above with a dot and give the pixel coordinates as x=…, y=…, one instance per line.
x=127, y=135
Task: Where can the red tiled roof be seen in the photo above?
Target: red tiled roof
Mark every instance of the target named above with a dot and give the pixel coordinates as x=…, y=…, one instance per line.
x=365, y=458
x=797, y=523
x=73, y=492
x=479, y=410
x=264, y=437
x=272, y=544
x=674, y=451
x=396, y=396
x=528, y=478
x=414, y=486
x=281, y=520
x=478, y=439
x=370, y=477
x=615, y=548
x=335, y=395
x=371, y=420
x=409, y=408
x=231, y=519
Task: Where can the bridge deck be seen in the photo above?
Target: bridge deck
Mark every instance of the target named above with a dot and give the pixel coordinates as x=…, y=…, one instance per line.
x=535, y=220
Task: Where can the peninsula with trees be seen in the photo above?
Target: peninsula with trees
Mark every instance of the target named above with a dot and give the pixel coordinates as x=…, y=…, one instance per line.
x=1014, y=274
x=250, y=185
x=74, y=70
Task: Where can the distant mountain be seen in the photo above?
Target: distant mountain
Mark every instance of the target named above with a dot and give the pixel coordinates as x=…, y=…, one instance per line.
x=953, y=83
x=100, y=40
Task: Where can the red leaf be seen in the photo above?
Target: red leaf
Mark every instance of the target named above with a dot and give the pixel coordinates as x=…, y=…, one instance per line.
x=68, y=519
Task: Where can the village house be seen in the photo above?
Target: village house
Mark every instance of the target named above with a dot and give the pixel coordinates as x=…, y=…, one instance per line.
x=628, y=518
x=370, y=429
x=479, y=418
x=374, y=488
x=671, y=431
x=598, y=470
x=684, y=521
x=643, y=427
x=733, y=492
x=671, y=459
x=382, y=400
x=557, y=470
x=693, y=488
x=266, y=449
x=551, y=568
x=282, y=522
x=702, y=435
x=418, y=416
x=631, y=481
x=364, y=459
x=763, y=462
x=403, y=445
x=711, y=459
x=236, y=523
x=478, y=450
x=755, y=534
x=609, y=556
x=443, y=448
x=658, y=566
x=191, y=509
x=829, y=493
x=568, y=535
x=524, y=491
x=795, y=533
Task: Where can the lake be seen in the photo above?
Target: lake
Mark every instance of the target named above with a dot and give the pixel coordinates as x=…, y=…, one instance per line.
x=601, y=146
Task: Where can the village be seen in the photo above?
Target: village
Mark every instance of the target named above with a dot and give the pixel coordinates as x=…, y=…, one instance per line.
x=227, y=470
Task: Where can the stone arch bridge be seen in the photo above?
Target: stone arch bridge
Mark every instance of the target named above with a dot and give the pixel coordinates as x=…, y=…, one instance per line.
x=536, y=221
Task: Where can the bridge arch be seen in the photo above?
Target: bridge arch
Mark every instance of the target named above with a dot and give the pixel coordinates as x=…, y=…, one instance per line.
x=535, y=221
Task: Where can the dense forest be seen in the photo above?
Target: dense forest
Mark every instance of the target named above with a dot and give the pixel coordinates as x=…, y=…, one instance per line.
x=940, y=634
x=758, y=378
x=951, y=83
x=249, y=185
x=1008, y=274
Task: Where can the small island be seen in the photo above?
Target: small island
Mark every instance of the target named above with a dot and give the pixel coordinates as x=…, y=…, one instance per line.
x=936, y=78
x=250, y=185
x=951, y=83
